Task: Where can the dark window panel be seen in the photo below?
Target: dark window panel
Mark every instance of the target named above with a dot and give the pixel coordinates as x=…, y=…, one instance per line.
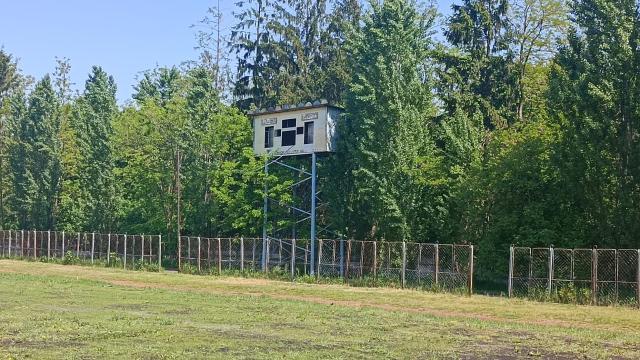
x=288, y=123
x=289, y=138
x=308, y=132
x=268, y=137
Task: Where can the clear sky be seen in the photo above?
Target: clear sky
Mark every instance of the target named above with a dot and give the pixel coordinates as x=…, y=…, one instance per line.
x=125, y=37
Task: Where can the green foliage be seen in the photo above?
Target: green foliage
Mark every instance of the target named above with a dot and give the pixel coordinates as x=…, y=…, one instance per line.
x=386, y=159
x=593, y=97
x=520, y=126
x=115, y=261
x=70, y=258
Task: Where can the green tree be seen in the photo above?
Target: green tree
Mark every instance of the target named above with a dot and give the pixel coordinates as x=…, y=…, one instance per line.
x=9, y=83
x=537, y=26
x=92, y=118
x=44, y=157
x=481, y=62
x=386, y=158
x=19, y=152
x=252, y=40
x=593, y=96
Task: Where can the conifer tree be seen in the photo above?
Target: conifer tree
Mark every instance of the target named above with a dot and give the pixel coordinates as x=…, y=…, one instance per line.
x=93, y=116
x=386, y=154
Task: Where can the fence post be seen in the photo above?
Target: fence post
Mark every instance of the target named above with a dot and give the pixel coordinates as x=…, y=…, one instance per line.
x=550, y=275
x=346, y=273
x=21, y=243
x=267, y=255
x=159, y=252
x=637, y=280
x=470, y=270
x=125, y=251
x=375, y=261
x=319, y=258
x=9, y=243
x=241, y=253
x=35, y=244
x=49, y=244
x=573, y=264
x=219, y=256
x=510, y=281
x=93, y=245
x=63, y=253
x=404, y=264
x=78, y=246
x=179, y=253
x=594, y=276
x=342, y=258
x=437, y=263
x=108, y=249
x=199, y=248
x=293, y=259
x=616, y=256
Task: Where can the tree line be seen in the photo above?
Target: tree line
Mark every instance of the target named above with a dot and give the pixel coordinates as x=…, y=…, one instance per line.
x=504, y=122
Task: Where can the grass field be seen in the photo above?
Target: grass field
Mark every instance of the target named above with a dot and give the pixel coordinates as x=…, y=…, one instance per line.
x=56, y=311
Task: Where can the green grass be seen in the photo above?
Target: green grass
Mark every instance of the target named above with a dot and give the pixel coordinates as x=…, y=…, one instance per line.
x=60, y=311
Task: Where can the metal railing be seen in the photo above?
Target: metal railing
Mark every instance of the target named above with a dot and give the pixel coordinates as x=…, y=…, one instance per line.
x=585, y=276
x=402, y=264
x=113, y=249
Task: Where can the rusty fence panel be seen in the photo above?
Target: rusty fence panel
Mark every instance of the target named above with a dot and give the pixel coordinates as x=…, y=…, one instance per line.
x=582, y=276
x=129, y=251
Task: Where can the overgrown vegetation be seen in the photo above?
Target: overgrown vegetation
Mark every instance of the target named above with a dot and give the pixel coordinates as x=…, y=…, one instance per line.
x=517, y=126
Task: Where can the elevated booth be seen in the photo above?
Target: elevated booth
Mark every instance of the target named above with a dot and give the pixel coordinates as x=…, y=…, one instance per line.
x=306, y=129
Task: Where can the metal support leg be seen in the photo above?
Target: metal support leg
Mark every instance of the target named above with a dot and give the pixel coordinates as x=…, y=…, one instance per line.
x=265, y=208
x=313, y=212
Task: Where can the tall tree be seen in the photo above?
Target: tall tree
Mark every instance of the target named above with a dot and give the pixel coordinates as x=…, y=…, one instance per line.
x=480, y=30
x=594, y=95
x=252, y=40
x=9, y=84
x=386, y=153
x=44, y=158
x=93, y=116
x=19, y=160
x=537, y=26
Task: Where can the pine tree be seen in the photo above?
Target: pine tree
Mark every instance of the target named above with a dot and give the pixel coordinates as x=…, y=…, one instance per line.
x=481, y=61
x=9, y=83
x=44, y=157
x=19, y=160
x=252, y=41
x=386, y=153
x=93, y=116
x=593, y=96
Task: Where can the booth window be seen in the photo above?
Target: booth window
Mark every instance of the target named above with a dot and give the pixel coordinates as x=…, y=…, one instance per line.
x=308, y=132
x=268, y=137
x=288, y=123
x=289, y=138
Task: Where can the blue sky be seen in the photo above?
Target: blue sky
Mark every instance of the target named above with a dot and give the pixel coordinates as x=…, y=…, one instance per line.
x=124, y=37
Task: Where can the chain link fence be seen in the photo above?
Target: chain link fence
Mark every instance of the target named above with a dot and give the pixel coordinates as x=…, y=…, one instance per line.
x=215, y=255
x=128, y=251
x=401, y=264
x=582, y=276
x=404, y=264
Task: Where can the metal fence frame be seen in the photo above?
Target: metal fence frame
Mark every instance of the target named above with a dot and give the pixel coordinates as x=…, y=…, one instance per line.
x=87, y=246
x=595, y=276
x=403, y=264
